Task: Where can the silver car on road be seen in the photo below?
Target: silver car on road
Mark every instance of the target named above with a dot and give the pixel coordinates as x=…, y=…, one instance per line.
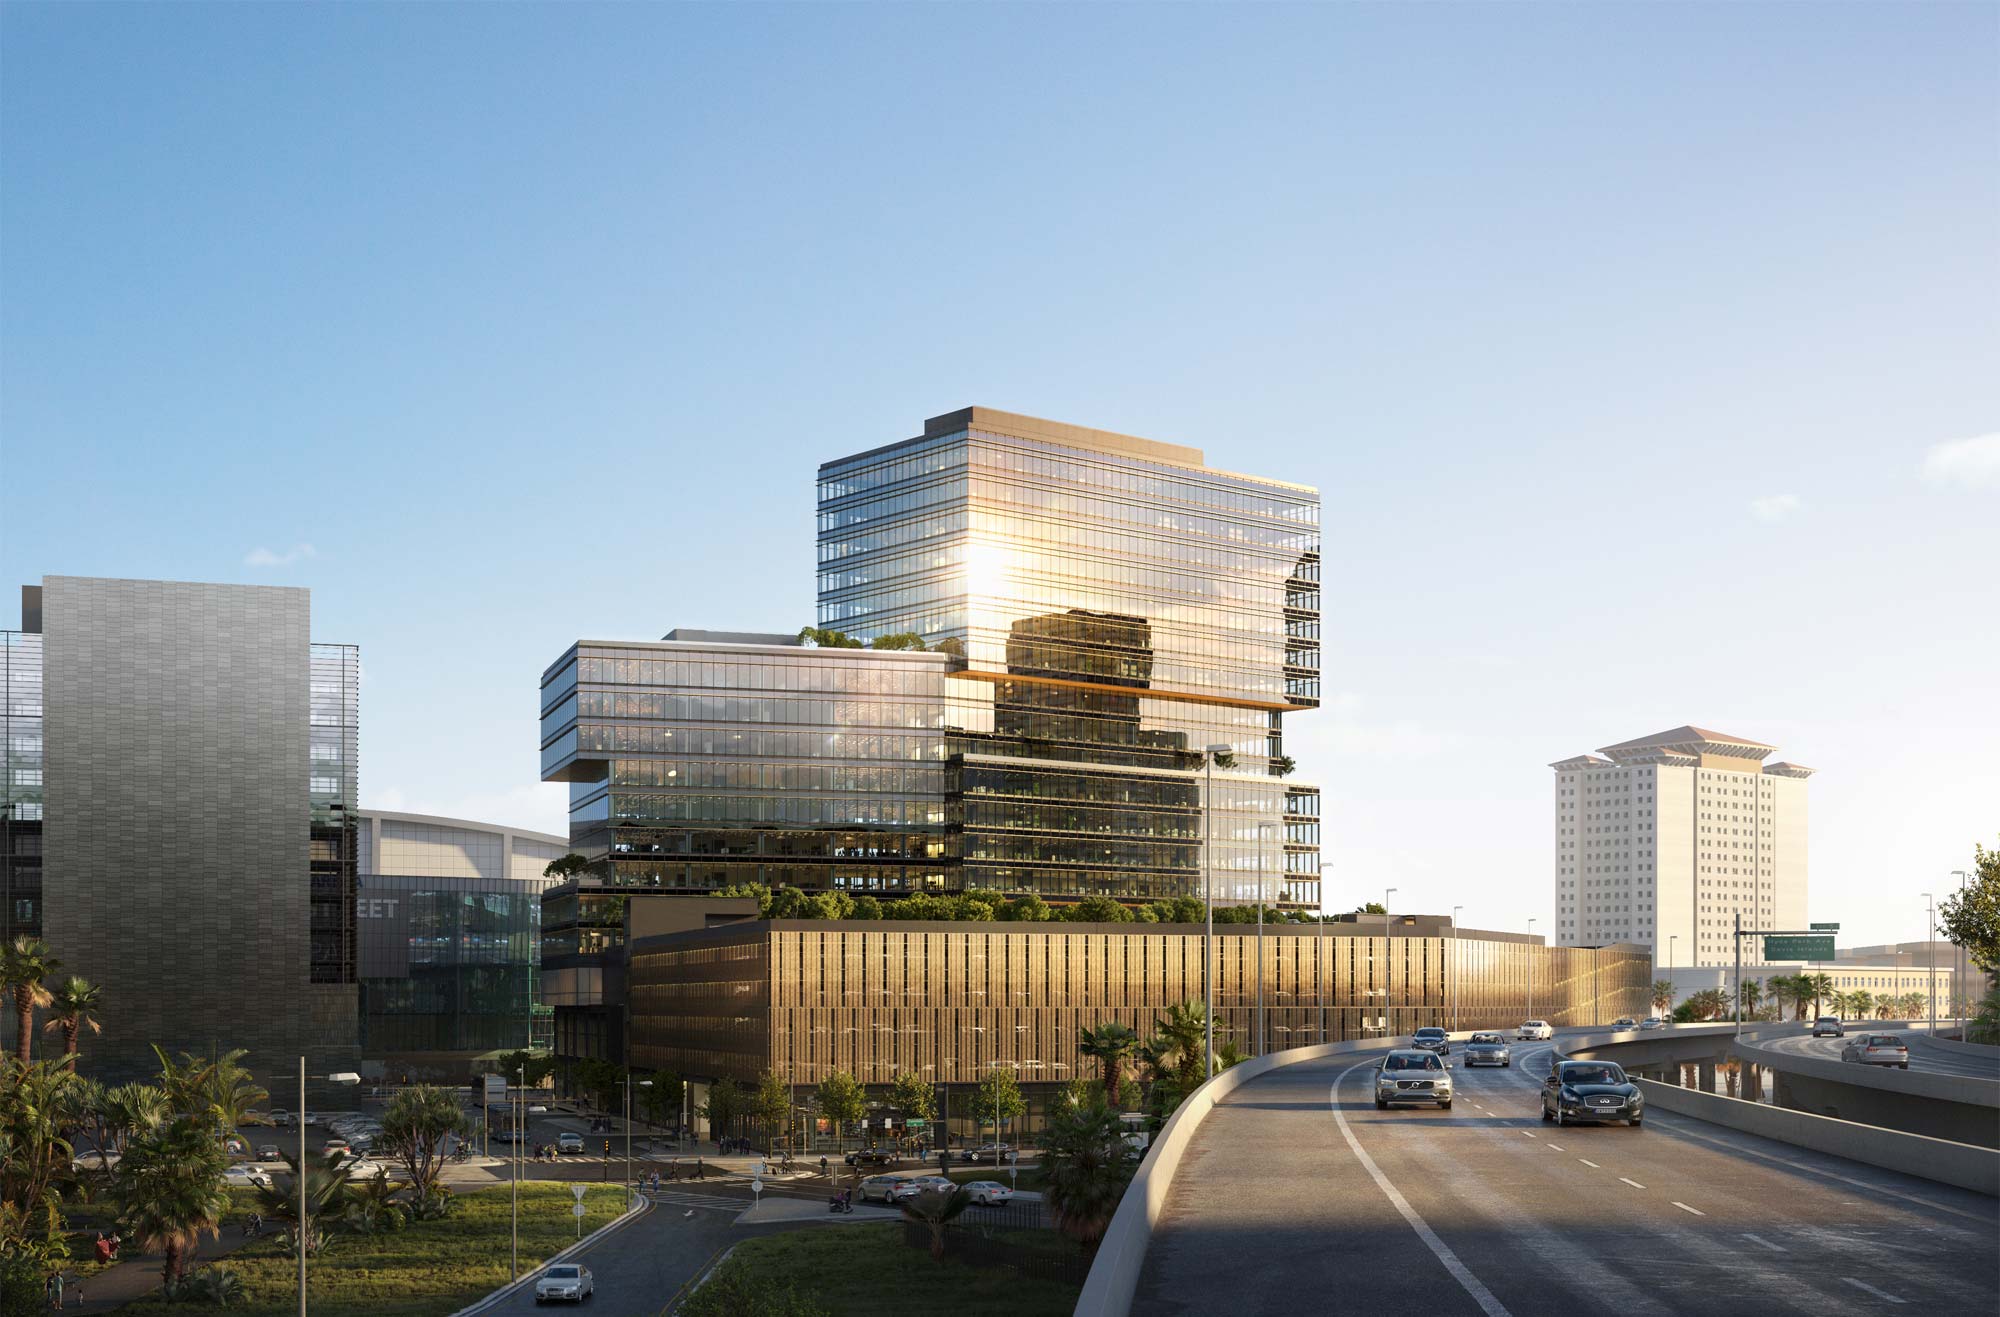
x=1408, y=1075
x=1488, y=1049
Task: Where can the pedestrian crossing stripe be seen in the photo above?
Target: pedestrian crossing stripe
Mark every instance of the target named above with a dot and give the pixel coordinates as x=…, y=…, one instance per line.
x=667, y=1198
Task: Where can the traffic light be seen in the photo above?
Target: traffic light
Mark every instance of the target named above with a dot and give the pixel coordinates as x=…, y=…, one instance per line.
x=607, y=1147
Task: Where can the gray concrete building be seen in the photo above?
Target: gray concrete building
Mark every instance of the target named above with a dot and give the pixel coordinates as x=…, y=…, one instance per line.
x=193, y=791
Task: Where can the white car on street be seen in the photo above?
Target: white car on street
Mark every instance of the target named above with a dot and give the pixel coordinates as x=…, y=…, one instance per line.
x=247, y=1175
x=988, y=1192
x=1534, y=1031
x=565, y=1282
x=915, y=1185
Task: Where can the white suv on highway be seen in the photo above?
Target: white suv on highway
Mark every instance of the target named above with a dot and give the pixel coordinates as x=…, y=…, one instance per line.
x=1828, y=1026
x=1538, y=1031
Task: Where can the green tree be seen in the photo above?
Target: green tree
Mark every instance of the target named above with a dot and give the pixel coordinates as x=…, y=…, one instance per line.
x=215, y=1088
x=866, y=907
x=827, y=638
x=328, y=1194
x=1861, y=1002
x=419, y=1128
x=74, y=1004
x=1086, y=1165
x=24, y=964
x=1076, y=1092
x=936, y=1209
x=1822, y=988
x=1750, y=995
x=898, y=640
x=828, y=905
x=997, y=1100
x=913, y=1095
x=170, y=1190
x=571, y=865
x=39, y=1104
x=661, y=1104
x=1028, y=909
x=1184, y=1030
x=725, y=1101
x=1109, y=1045
x=529, y=1068
x=1971, y=919
x=771, y=1107
x=1372, y=908
x=1095, y=909
x=841, y=1099
x=1663, y=994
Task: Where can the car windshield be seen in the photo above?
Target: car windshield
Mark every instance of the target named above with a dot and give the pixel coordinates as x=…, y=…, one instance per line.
x=1412, y=1063
x=1430, y=1033
x=1486, y=1038
x=1828, y=1019
x=1593, y=1074
x=562, y=1273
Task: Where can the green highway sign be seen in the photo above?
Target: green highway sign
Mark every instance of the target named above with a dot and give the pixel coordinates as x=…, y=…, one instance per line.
x=1795, y=947
x=1825, y=928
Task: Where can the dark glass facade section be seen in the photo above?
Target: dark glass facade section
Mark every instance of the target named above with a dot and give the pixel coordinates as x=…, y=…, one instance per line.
x=20, y=784
x=952, y=1001
x=448, y=966
x=333, y=750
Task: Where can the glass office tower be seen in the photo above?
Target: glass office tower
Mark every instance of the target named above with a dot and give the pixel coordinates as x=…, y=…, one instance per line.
x=21, y=777
x=1113, y=606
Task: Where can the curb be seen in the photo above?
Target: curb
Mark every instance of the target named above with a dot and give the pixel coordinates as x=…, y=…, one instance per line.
x=632, y=1213
x=715, y=1260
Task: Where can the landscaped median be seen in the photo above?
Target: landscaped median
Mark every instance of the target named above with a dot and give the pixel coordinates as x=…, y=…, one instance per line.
x=426, y=1269
x=836, y=1269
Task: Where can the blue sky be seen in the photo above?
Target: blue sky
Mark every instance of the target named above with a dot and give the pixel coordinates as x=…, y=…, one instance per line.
x=1644, y=356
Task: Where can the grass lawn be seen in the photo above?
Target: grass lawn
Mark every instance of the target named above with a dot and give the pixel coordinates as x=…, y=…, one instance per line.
x=427, y=1269
x=865, y=1268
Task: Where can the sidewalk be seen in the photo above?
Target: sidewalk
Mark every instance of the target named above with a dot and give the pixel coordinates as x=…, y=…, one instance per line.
x=137, y=1276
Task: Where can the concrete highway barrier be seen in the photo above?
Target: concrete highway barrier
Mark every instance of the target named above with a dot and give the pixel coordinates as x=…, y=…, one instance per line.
x=1941, y=1160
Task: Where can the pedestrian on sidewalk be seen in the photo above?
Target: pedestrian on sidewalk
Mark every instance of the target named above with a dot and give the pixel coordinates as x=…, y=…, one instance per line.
x=55, y=1290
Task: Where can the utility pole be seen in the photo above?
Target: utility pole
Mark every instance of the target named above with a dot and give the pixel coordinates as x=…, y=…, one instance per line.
x=1930, y=944
x=1388, y=994
x=1737, y=992
x=1531, y=969
x=1208, y=905
x=1452, y=969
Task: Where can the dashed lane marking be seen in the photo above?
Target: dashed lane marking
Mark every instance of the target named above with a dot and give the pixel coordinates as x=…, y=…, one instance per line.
x=1559, y=1150
x=1759, y=1239
x=1870, y=1289
x=1685, y=1208
x=1591, y=1164
x=1634, y=1183
x=1484, y=1297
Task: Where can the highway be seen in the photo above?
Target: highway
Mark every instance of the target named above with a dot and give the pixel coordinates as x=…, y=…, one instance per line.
x=1924, y=1054
x=1297, y=1196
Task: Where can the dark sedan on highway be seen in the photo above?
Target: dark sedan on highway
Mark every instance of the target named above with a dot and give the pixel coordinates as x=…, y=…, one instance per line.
x=1432, y=1040
x=1591, y=1092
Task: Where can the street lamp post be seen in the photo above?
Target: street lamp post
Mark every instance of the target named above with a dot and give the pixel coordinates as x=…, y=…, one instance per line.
x=346, y=1079
x=1930, y=943
x=1959, y=995
x=520, y=1114
x=644, y=1083
x=1319, y=945
x=1263, y=1034
x=1388, y=994
x=1531, y=969
x=1208, y=759
x=1452, y=969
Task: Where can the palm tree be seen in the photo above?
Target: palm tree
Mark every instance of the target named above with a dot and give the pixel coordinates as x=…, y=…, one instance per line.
x=329, y=1195
x=23, y=965
x=170, y=1190
x=1184, y=1029
x=75, y=1001
x=1663, y=995
x=1822, y=988
x=1110, y=1044
x=1750, y=996
x=125, y=1111
x=936, y=1209
x=217, y=1088
x=1861, y=1002
x=1086, y=1165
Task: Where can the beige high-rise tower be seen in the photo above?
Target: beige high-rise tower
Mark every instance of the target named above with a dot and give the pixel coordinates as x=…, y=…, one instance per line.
x=1665, y=840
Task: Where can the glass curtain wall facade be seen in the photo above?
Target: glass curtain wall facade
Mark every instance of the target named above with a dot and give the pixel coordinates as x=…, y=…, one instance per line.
x=1114, y=606
x=694, y=765
x=20, y=784
x=333, y=750
x=448, y=969
x=952, y=1001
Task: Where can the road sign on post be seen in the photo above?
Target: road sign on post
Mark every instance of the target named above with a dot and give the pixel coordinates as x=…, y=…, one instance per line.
x=1824, y=928
x=1797, y=947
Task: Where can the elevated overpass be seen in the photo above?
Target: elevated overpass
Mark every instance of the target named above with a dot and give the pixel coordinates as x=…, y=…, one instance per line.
x=1294, y=1195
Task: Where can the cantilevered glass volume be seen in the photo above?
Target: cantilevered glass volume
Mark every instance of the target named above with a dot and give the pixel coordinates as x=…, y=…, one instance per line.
x=1113, y=606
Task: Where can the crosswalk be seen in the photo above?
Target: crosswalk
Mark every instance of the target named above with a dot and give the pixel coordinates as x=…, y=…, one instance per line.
x=705, y=1202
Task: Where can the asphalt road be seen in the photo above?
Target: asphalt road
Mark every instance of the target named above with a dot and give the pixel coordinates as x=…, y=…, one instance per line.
x=1298, y=1196
x=1924, y=1054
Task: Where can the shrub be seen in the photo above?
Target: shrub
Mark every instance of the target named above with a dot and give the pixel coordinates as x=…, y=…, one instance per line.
x=734, y=1290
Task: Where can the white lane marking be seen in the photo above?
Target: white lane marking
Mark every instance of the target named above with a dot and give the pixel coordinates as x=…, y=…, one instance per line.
x=1559, y=1150
x=1759, y=1239
x=1531, y=1134
x=1685, y=1208
x=1591, y=1164
x=1634, y=1183
x=1489, y=1305
x=1861, y=1285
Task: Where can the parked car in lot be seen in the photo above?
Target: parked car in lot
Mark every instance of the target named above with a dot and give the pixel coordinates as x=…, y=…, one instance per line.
x=1432, y=1040
x=1534, y=1031
x=1488, y=1049
x=1877, y=1049
x=247, y=1175
x=994, y=1153
x=336, y=1144
x=1578, y=1092
x=281, y=1118
x=361, y=1168
x=1624, y=1022
x=1652, y=1022
x=565, y=1282
x=873, y=1157
x=987, y=1193
x=1828, y=1026
x=569, y=1141
x=1410, y=1075
x=269, y=1153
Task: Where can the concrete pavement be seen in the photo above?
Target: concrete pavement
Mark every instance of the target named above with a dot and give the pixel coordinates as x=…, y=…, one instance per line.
x=1298, y=1195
